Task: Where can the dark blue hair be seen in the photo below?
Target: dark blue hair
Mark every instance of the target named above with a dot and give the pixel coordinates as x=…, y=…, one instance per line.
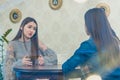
x=99, y=28
x=105, y=38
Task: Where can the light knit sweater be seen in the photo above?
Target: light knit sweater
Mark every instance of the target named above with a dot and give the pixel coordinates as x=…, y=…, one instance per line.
x=16, y=51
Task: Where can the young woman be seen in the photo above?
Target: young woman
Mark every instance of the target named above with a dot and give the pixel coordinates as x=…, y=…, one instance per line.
x=26, y=49
x=101, y=52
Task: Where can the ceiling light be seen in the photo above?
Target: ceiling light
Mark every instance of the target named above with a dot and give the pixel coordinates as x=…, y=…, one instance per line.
x=80, y=1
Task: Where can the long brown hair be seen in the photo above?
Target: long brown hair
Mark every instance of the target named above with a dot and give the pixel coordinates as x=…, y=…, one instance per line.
x=106, y=41
x=34, y=39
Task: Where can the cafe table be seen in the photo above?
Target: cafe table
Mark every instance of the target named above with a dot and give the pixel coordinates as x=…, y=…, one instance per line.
x=49, y=72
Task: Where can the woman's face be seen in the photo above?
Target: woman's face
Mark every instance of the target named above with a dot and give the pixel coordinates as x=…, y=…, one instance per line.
x=29, y=30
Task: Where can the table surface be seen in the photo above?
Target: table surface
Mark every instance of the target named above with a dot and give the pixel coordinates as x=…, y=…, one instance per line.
x=24, y=68
x=49, y=70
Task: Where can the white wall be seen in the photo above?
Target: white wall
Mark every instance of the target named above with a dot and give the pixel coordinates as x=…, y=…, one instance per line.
x=63, y=29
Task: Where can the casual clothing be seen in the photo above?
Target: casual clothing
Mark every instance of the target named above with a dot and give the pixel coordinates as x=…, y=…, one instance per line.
x=15, y=54
x=86, y=54
x=86, y=50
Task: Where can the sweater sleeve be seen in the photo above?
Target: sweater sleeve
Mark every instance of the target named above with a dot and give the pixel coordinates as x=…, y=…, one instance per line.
x=8, y=73
x=80, y=56
x=50, y=57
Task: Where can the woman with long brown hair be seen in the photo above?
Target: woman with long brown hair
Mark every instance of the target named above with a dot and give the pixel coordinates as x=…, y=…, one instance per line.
x=101, y=52
x=26, y=49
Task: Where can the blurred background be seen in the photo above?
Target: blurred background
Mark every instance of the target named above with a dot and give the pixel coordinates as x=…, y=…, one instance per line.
x=62, y=29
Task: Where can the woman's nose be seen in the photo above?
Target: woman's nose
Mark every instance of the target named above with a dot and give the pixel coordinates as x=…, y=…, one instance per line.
x=31, y=30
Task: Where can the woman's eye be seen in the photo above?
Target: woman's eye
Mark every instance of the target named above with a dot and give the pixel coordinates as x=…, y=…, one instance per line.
x=34, y=28
x=29, y=26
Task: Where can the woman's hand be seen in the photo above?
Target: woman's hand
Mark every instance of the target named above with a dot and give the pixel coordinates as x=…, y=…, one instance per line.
x=26, y=61
x=40, y=60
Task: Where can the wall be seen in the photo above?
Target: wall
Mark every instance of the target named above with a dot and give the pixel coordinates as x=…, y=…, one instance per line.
x=62, y=30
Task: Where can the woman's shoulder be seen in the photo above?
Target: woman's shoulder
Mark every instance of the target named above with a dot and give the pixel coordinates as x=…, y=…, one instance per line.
x=88, y=45
x=88, y=42
x=13, y=42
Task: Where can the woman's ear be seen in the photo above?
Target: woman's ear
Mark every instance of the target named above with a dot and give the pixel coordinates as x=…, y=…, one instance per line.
x=21, y=28
x=86, y=30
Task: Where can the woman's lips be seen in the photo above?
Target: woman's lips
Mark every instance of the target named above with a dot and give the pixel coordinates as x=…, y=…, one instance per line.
x=30, y=34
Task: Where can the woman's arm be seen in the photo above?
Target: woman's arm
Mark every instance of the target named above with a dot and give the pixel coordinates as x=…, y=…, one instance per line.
x=80, y=57
x=8, y=73
x=49, y=56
